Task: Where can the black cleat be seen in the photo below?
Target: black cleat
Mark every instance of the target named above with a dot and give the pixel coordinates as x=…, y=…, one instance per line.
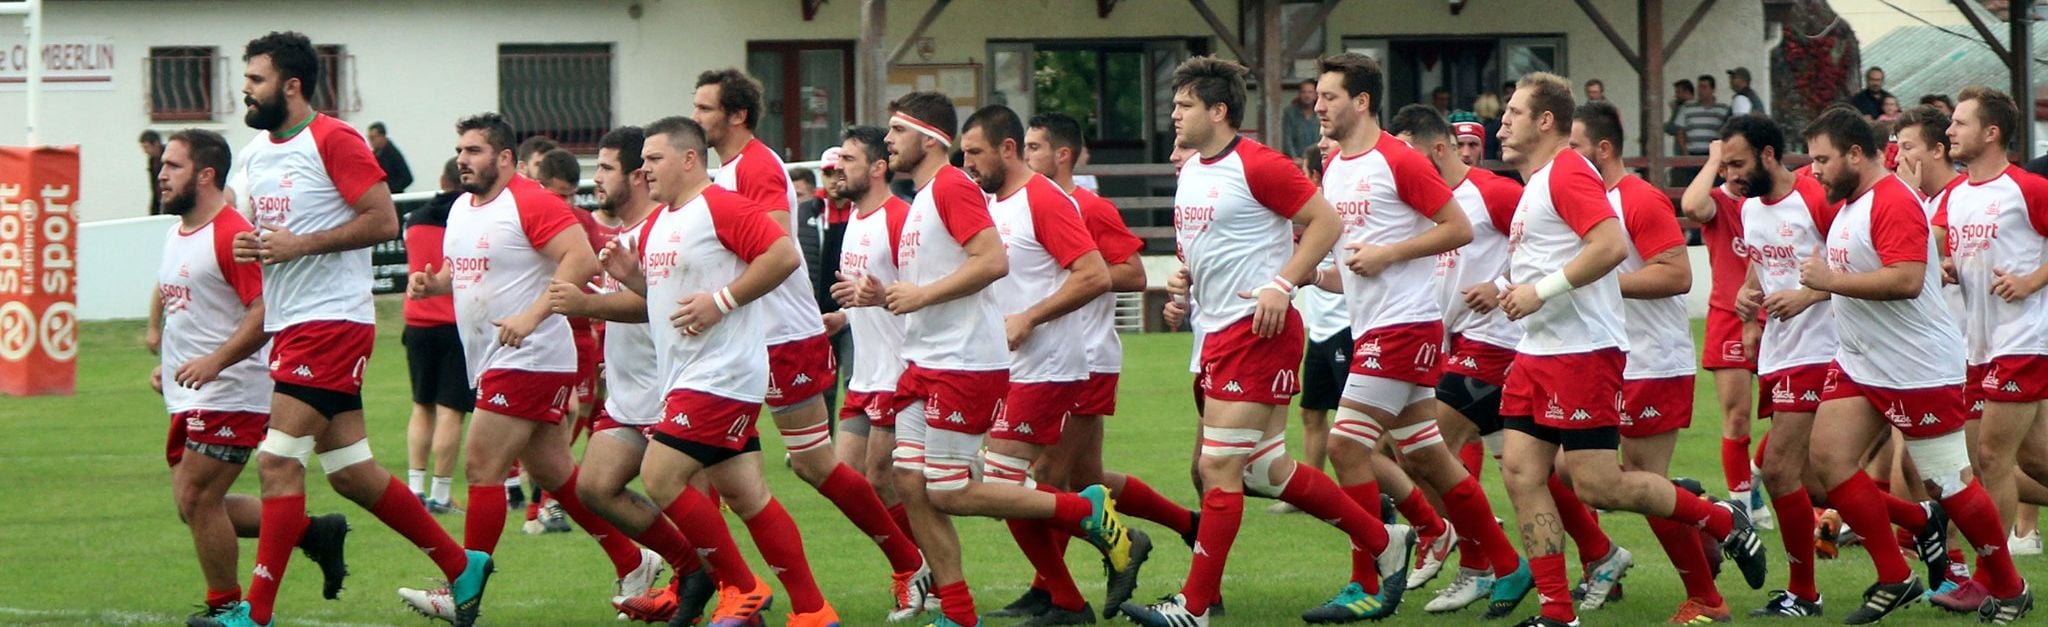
x=1744, y=548
x=1544, y=621
x=1784, y=604
x=2006, y=611
x=325, y=541
x=1194, y=527
x=515, y=499
x=1034, y=601
x=1057, y=616
x=1387, y=509
x=1931, y=542
x=1122, y=584
x=695, y=591
x=1880, y=600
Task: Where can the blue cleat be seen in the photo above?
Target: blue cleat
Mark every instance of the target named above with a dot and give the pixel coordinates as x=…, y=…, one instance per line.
x=236, y=615
x=1509, y=591
x=467, y=591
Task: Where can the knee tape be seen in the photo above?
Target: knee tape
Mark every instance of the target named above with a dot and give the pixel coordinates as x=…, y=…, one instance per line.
x=1258, y=473
x=280, y=444
x=806, y=439
x=1941, y=460
x=1495, y=442
x=908, y=456
x=1357, y=426
x=946, y=475
x=338, y=459
x=1416, y=436
x=1224, y=442
x=1005, y=469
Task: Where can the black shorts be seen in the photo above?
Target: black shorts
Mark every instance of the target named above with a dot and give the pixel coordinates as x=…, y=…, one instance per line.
x=1324, y=367
x=440, y=375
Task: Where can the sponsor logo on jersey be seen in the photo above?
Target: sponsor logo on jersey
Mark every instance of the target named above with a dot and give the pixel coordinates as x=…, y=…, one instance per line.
x=774, y=391
x=285, y=182
x=1782, y=392
x=184, y=271
x=1554, y=411
x=195, y=423
x=483, y=242
x=1369, y=348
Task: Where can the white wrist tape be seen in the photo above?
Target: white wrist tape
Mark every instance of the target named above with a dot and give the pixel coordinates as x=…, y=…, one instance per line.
x=1553, y=286
x=1279, y=284
x=723, y=299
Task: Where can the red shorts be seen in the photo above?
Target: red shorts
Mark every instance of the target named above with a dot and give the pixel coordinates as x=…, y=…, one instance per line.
x=1918, y=413
x=1036, y=413
x=326, y=354
x=1572, y=391
x=873, y=405
x=1479, y=360
x=1240, y=366
x=800, y=370
x=239, y=429
x=961, y=401
x=525, y=394
x=1655, y=406
x=1795, y=390
x=1722, y=347
x=1407, y=352
x=709, y=419
x=588, y=351
x=1098, y=395
x=2012, y=379
x=604, y=422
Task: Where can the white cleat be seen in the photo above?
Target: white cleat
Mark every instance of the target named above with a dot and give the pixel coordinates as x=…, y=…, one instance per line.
x=1603, y=575
x=643, y=577
x=1429, y=560
x=2029, y=544
x=436, y=604
x=1400, y=547
x=1470, y=586
x=913, y=594
x=533, y=527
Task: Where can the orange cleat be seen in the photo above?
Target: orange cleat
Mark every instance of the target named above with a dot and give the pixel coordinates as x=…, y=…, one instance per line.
x=738, y=608
x=1693, y=612
x=824, y=617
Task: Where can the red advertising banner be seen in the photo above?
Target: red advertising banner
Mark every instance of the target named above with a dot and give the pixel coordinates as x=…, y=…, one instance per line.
x=38, y=270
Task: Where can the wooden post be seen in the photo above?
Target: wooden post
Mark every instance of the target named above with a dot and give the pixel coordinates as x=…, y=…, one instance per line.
x=1650, y=78
x=917, y=32
x=2020, y=18
x=1273, y=61
x=872, y=63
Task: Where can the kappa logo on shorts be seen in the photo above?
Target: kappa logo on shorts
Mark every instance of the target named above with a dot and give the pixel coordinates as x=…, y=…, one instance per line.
x=1024, y=429
x=1977, y=407
x=1232, y=387
x=1467, y=361
x=681, y=420
x=956, y=418
x=1579, y=415
x=801, y=379
x=1810, y=397
x=1928, y=420
x=2012, y=387
x=302, y=372
x=224, y=432
x=1371, y=363
x=499, y=400
x=1651, y=413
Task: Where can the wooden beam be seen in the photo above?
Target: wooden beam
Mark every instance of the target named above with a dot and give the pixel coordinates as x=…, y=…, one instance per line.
x=1685, y=29
x=1299, y=37
x=1273, y=67
x=2020, y=17
x=1984, y=31
x=1230, y=40
x=870, y=63
x=930, y=15
x=1613, y=37
x=811, y=8
x=1104, y=7
x=1650, y=79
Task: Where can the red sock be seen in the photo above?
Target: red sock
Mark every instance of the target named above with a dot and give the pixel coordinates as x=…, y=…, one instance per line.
x=1553, y=587
x=402, y=512
x=1365, y=569
x=1973, y=513
x=957, y=604
x=1909, y=516
x=1416, y=509
x=1757, y=459
x=1068, y=510
x=901, y=517
x=1313, y=492
x=663, y=538
x=624, y=554
x=782, y=548
x=1581, y=522
x=856, y=499
x=1140, y=500
x=1795, y=528
x=1699, y=512
x=1222, y=512
x=1035, y=539
x=223, y=598
x=1958, y=568
x=1862, y=509
x=284, y=521
x=1473, y=456
x=484, y=522
x=1735, y=464
x=1473, y=516
x=698, y=520
x=1367, y=496
x=533, y=506
x=1682, y=544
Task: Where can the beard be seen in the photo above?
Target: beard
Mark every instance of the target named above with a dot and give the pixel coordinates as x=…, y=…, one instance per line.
x=991, y=182
x=181, y=201
x=1757, y=182
x=481, y=181
x=1839, y=190
x=264, y=115
x=907, y=159
x=851, y=189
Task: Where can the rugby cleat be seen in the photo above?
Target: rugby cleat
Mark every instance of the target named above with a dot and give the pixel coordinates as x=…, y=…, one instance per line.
x=1033, y=602
x=1351, y=604
x=913, y=593
x=1467, y=587
x=236, y=615
x=325, y=541
x=1170, y=611
x=1509, y=591
x=1880, y=600
x=1124, y=549
x=1744, y=548
x=643, y=576
x=1430, y=560
x=1931, y=544
x=467, y=591
x=436, y=603
x=2006, y=611
x=740, y=608
x=1693, y=612
x=1968, y=597
x=1603, y=575
x=1057, y=616
x=1784, y=604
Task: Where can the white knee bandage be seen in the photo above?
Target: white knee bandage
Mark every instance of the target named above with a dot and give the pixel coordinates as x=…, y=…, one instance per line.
x=280, y=444
x=1258, y=473
x=1942, y=460
x=908, y=456
x=1005, y=469
x=1222, y=442
x=338, y=459
x=946, y=475
x=1416, y=436
x=807, y=438
x=1495, y=443
x=1356, y=426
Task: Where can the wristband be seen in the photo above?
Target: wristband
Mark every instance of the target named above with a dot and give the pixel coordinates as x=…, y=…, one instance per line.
x=723, y=299
x=1279, y=284
x=1501, y=283
x=1553, y=286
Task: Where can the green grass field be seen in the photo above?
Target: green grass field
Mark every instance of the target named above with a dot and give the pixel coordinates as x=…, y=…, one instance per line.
x=88, y=532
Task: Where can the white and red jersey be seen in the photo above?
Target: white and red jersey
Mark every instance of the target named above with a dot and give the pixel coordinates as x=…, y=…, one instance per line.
x=1892, y=344
x=1937, y=216
x=633, y=381
x=309, y=183
x=1042, y=236
x=1324, y=313
x=494, y=260
x=757, y=173
x=1561, y=203
x=1659, y=329
x=1998, y=226
x=1117, y=245
x=701, y=247
x=1780, y=234
x=867, y=251
x=205, y=295
x=1489, y=202
x=1232, y=218
x=1727, y=254
x=965, y=333
x=1385, y=196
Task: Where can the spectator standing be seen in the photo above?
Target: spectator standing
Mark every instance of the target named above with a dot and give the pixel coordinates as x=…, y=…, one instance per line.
x=1941, y=102
x=1700, y=122
x=530, y=152
x=396, y=172
x=1299, y=125
x=1440, y=98
x=1870, y=101
x=1596, y=91
x=1742, y=100
x=1681, y=95
x=441, y=395
x=153, y=149
x=1488, y=108
x=821, y=224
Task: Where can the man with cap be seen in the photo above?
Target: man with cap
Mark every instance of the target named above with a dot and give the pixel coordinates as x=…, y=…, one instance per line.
x=1471, y=136
x=1745, y=100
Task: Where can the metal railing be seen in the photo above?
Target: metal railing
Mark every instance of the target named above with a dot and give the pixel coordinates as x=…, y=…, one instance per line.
x=185, y=84
x=561, y=92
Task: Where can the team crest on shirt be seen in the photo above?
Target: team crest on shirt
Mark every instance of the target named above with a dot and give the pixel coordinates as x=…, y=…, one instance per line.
x=284, y=182
x=1364, y=186
x=184, y=271
x=1786, y=231
x=1215, y=192
x=483, y=242
x=1782, y=392
x=1554, y=411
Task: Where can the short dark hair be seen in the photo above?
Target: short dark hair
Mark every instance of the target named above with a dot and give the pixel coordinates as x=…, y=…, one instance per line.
x=1062, y=130
x=293, y=56
x=208, y=150
x=737, y=93
x=561, y=165
x=1214, y=82
x=683, y=133
x=534, y=144
x=1868, y=70
x=1933, y=125
x=873, y=140
x=997, y=123
x=150, y=137
x=497, y=132
x=1420, y=121
x=1845, y=127
x=1759, y=130
x=1549, y=93
x=628, y=141
x=1594, y=82
x=803, y=175
x=1994, y=108
x=1934, y=98
x=379, y=127
x=932, y=108
x=1602, y=122
x=1361, y=75
x=1683, y=83
x=451, y=173
x=1707, y=80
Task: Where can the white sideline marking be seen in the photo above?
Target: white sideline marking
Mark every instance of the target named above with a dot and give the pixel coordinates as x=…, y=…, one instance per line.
x=118, y=617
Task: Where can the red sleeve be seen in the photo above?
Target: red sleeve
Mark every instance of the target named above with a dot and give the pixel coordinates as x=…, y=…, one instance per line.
x=761, y=181
x=1501, y=195
x=1940, y=217
x=647, y=231
x=350, y=164
x=245, y=278
x=1274, y=180
x=1106, y=224
x=542, y=215
x=1057, y=221
x=744, y=228
x=1577, y=194
x=2034, y=190
x=1898, y=229
x=962, y=207
x=895, y=213
x=1652, y=221
x=1418, y=183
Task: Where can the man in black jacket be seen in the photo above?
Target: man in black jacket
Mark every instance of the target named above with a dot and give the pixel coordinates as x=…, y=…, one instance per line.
x=821, y=224
x=396, y=172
